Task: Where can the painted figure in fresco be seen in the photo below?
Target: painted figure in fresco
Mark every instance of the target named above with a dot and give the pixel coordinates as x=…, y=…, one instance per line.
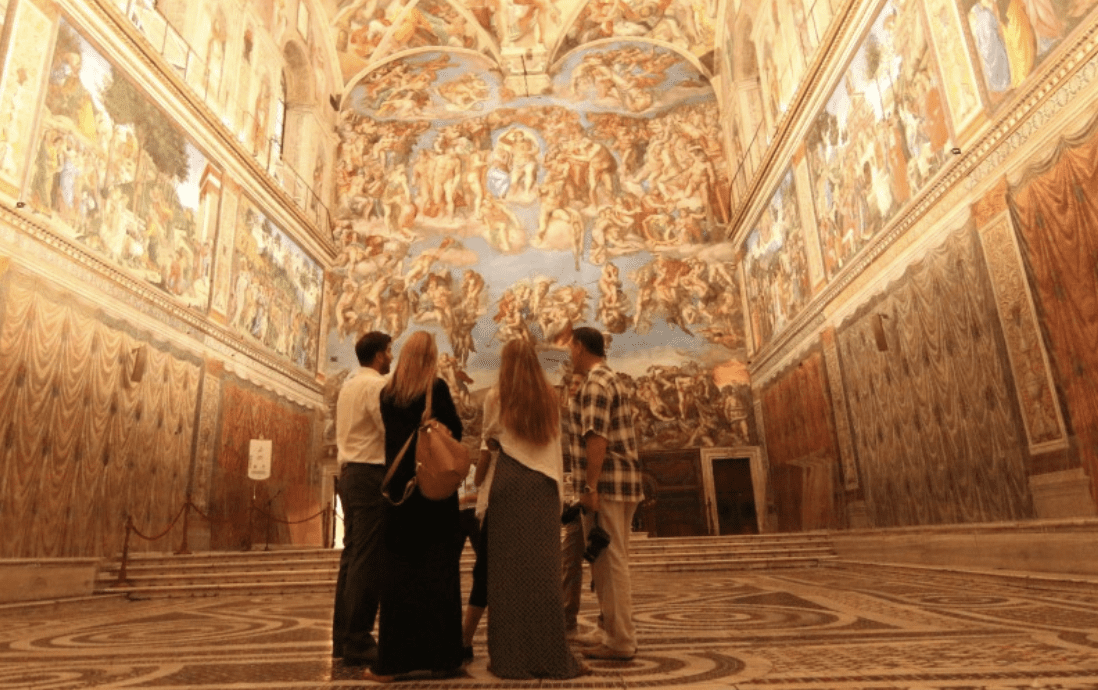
x=983, y=20
x=446, y=177
x=423, y=262
x=465, y=92
x=470, y=308
x=396, y=306
x=512, y=324
x=551, y=193
x=449, y=368
x=10, y=116
x=502, y=227
x=612, y=300
x=476, y=170
x=1020, y=39
x=437, y=299
x=521, y=150
x=397, y=208
x=529, y=18
x=617, y=228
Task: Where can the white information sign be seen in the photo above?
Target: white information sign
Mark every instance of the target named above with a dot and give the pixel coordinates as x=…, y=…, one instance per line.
x=259, y=459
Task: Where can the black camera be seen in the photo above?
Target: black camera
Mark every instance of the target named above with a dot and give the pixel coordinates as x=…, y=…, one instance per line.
x=597, y=540
x=571, y=513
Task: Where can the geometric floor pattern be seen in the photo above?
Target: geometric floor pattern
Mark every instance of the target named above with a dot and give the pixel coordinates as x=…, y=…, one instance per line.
x=829, y=628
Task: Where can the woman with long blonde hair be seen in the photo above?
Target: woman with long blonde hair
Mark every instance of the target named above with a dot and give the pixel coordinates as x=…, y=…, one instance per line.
x=526, y=636
x=419, y=627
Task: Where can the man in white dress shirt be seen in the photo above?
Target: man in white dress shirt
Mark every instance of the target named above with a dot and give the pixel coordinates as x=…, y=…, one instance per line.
x=360, y=437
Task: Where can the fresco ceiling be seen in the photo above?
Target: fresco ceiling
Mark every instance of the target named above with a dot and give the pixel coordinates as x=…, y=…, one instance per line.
x=522, y=37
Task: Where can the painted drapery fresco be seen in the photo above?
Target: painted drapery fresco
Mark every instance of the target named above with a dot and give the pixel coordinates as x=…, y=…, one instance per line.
x=121, y=178
x=85, y=445
x=1056, y=217
x=884, y=132
x=937, y=432
x=776, y=265
x=276, y=289
x=486, y=216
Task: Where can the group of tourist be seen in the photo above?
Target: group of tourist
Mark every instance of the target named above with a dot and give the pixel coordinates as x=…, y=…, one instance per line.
x=400, y=561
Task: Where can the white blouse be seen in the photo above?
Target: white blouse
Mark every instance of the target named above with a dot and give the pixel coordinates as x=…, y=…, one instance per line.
x=546, y=459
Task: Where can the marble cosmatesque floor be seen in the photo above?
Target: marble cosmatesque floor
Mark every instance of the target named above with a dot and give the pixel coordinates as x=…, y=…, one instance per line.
x=841, y=628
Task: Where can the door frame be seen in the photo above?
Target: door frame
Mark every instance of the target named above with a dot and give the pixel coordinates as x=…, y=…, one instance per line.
x=758, y=482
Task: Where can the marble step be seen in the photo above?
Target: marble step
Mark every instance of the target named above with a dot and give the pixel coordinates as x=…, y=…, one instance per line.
x=315, y=570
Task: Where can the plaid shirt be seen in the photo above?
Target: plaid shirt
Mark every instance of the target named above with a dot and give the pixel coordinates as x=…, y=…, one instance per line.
x=601, y=407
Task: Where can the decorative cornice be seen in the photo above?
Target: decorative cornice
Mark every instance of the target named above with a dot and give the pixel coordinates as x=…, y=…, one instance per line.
x=29, y=234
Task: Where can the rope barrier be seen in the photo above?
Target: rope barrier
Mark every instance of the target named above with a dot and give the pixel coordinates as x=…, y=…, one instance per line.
x=168, y=529
x=289, y=522
x=184, y=512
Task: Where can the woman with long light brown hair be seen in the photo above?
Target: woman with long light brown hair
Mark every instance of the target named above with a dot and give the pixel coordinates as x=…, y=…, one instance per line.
x=419, y=627
x=525, y=602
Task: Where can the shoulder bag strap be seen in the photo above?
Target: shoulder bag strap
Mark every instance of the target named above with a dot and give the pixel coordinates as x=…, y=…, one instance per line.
x=410, y=486
x=427, y=407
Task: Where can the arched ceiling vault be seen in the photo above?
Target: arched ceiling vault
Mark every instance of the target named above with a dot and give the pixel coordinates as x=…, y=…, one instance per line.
x=522, y=39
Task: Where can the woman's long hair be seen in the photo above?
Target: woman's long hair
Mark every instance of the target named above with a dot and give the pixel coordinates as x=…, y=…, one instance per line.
x=528, y=404
x=415, y=370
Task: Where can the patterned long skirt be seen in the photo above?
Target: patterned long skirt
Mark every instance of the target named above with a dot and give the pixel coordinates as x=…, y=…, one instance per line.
x=525, y=602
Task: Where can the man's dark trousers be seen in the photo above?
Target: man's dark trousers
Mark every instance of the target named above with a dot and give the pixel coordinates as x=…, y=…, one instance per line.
x=358, y=585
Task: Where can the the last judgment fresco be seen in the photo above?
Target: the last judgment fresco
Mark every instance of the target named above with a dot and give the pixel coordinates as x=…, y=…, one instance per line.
x=483, y=215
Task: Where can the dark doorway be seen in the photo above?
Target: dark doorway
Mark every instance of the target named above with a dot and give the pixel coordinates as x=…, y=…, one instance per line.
x=735, y=496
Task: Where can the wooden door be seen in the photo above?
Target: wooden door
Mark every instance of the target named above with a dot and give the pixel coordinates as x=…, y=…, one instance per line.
x=678, y=508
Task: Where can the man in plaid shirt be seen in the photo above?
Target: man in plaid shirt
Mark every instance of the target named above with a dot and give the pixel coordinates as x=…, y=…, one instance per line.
x=606, y=473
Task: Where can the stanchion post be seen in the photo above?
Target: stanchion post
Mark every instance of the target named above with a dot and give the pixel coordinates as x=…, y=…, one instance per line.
x=325, y=523
x=122, y=581
x=267, y=530
x=183, y=546
x=251, y=520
